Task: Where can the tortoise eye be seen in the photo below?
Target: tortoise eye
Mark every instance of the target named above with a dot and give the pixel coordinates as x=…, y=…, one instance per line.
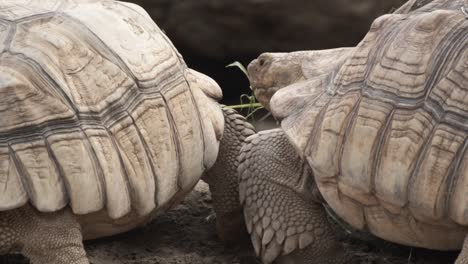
x=261, y=62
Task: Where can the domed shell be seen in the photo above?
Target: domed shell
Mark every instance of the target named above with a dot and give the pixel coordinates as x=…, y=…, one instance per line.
x=98, y=109
x=386, y=132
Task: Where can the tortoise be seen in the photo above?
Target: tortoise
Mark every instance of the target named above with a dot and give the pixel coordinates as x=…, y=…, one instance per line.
x=103, y=127
x=378, y=131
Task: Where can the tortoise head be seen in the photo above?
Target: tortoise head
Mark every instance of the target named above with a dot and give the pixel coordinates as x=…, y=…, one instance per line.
x=273, y=71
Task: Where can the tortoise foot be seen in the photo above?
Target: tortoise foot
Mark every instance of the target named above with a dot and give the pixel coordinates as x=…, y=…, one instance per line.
x=53, y=238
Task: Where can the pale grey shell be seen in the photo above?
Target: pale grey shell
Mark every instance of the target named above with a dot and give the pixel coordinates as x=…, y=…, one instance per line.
x=386, y=133
x=98, y=109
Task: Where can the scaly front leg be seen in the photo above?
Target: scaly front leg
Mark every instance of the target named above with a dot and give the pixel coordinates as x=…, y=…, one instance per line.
x=223, y=177
x=286, y=221
x=52, y=238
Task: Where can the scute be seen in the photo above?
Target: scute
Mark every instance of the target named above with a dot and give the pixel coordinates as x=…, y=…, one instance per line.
x=386, y=136
x=329, y=139
x=22, y=9
x=355, y=67
x=5, y=32
x=458, y=209
x=75, y=59
x=186, y=120
x=140, y=45
x=361, y=146
x=404, y=67
x=76, y=163
x=41, y=175
x=99, y=110
x=26, y=96
x=431, y=183
x=13, y=192
x=408, y=133
x=152, y=119
x=137, y=165
x=450, y=94
x=114, y=178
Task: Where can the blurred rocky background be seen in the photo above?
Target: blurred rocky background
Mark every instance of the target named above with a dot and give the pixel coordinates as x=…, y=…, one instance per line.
x=213, y=33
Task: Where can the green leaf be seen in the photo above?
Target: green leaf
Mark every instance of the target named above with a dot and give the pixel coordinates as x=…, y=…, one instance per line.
x=248, y=102
x=240, y=66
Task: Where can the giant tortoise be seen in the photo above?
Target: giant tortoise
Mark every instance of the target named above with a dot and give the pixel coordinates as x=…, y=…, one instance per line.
x=102, y=127
x=379, y=131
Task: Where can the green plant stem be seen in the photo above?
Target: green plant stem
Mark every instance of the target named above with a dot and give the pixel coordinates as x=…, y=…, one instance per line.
x=242, y=106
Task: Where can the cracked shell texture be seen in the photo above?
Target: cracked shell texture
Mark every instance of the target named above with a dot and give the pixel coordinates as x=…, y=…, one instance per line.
x=386, y=133
x=98, y=109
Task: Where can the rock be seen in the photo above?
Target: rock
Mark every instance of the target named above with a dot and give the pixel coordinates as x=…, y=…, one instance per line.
x=245, y=28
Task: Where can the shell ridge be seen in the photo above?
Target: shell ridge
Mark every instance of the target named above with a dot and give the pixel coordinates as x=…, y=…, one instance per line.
x=174, y=136
x=34, y=17
x=21, y=172
x=8, y=10
x=149, y=157
x=454, y=171
x=378, y=52
x=8, y=184
x=449, y=176
x=116, y=59
x=197, y=110
x=459, y=216
x=72, y=155
x=454, y=43
x=97, y=166
x=390, y=33
x=420, y=158
x=10, y=35
x=434, y=106
x=122, y=165
x=48, y=78
x=318, y=121
x=384, y=134
x=350, y=122
x=60, y=172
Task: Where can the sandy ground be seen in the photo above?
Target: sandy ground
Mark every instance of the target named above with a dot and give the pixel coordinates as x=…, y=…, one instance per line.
x=186, y=234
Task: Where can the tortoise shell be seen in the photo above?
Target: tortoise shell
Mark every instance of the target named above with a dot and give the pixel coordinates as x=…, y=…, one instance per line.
x=98, y=110
x=385, y=132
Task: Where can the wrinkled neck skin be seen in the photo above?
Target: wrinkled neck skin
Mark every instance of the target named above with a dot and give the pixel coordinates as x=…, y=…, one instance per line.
x=271, y=72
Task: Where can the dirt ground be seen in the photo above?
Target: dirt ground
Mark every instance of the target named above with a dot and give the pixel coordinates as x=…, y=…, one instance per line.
x=186, y=234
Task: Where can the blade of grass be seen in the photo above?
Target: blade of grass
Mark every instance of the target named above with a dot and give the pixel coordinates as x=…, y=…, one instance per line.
x=240, y=66
x=243, y=106
x=253, y=112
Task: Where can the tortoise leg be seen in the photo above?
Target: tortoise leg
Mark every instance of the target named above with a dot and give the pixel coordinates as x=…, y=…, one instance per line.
x=283, y=214
x=463, y=257
x=53, y=238
x=223, y=177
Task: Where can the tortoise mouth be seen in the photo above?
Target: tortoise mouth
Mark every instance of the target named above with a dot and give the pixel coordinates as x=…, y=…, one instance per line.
x=264, y=94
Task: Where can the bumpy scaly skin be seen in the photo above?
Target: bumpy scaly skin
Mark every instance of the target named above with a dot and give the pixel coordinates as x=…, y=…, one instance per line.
x=463, y=257
x=287, y=223
x=223, y=178
x=52, y=238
